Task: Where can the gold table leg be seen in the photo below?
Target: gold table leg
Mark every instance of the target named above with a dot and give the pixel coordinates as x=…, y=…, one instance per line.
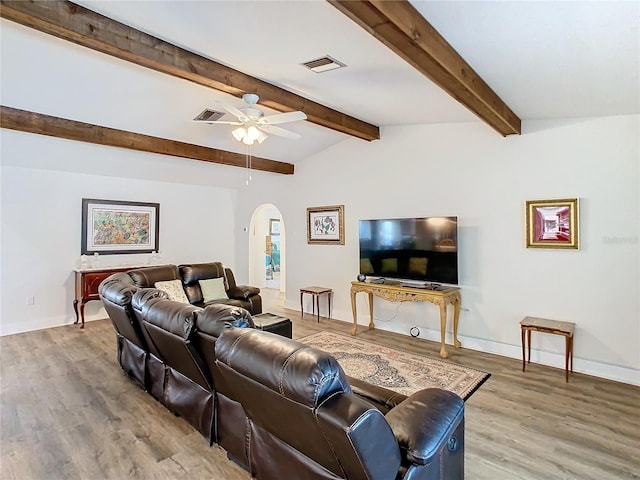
x=354, y=330
x=456, y=318
x=370, y=311
x=443, y=327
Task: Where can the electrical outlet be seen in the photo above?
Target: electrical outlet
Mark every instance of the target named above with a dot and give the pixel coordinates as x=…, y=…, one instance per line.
x=31, y=300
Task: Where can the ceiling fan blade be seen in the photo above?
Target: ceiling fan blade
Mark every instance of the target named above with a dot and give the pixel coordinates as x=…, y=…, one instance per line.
x=281, y=132
x=282, y=118
x=235, y=112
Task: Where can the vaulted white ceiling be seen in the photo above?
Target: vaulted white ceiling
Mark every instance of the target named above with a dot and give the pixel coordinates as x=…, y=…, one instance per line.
x=545, y=59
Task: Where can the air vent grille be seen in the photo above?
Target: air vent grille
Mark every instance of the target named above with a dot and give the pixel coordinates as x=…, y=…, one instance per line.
x=323, y=64
x=208, y=115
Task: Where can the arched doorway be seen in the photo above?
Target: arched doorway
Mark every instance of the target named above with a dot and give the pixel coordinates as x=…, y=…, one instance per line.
x=267, y=242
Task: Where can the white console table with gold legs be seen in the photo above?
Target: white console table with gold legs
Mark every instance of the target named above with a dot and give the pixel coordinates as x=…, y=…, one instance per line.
x=441, y=297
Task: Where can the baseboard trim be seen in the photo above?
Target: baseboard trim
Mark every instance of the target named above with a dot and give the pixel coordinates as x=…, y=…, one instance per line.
x=580, y=365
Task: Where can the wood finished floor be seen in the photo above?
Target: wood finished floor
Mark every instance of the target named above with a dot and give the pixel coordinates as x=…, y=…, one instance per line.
x=68, y=412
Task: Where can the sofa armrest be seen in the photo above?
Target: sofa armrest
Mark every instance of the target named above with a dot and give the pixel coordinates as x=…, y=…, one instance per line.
x=242, y=292
x=381, y=398
x=424, y=423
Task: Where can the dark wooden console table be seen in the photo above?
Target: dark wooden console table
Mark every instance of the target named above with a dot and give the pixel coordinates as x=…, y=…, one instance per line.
x=87, y=282
x=442, y=297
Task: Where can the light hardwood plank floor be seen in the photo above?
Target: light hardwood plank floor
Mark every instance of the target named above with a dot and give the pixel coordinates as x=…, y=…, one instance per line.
x=67, y=411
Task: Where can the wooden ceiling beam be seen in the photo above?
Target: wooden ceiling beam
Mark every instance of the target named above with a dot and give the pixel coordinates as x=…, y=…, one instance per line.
x=85, y=27
x=31, y=122
x=399, y=26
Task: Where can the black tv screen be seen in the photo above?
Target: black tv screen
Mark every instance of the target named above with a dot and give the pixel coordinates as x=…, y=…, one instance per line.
x=424, y=249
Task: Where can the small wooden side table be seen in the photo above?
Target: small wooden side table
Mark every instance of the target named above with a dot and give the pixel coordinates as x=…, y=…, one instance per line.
x=316, y=292
x=532, y=324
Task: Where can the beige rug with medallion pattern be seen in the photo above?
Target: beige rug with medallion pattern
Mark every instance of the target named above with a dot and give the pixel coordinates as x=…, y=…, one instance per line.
x=397, y=370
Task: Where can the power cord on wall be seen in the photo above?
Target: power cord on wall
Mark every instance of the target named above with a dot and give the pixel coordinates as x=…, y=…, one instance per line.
x=377, y=319
x=413, y=331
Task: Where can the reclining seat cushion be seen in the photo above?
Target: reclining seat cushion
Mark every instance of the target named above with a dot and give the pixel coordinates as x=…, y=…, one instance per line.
x=305, y=421
x=191, y=275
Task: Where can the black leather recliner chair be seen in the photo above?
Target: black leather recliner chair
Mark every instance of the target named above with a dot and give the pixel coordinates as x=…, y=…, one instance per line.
x=180, y=337
x=231, y=423
x=307, y=423
x=116, y=293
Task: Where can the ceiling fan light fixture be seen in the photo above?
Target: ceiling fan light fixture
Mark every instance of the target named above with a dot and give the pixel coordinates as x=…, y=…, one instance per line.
x=253, y=133
x=252, y=124
x=261, y=137
x=239, y=133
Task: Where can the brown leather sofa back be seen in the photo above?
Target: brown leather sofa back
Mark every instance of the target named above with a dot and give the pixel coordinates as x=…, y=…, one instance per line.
x=186, y=387
x=148, y=276
x=181, y=337
x=305, y=422
x=232, y=426
x=116, y=292
x=245, y=296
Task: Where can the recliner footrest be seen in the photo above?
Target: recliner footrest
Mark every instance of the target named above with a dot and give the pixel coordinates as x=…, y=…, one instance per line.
x=270, y=322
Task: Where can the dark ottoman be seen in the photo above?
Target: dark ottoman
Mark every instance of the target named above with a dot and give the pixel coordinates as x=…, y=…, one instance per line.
x=270, y=322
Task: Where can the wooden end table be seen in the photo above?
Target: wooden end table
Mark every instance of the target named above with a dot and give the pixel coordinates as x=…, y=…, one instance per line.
x=316, y=292
x=532, y=324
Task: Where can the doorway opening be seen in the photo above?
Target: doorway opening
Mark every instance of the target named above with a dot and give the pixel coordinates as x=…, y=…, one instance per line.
x=267, y=248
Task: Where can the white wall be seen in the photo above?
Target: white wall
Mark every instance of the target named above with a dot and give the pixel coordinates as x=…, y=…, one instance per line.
x=468, y=171
x=41, y=221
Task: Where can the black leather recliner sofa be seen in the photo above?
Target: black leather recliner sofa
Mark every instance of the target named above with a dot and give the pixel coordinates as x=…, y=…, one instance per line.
x=279, y=409
x=307, y=423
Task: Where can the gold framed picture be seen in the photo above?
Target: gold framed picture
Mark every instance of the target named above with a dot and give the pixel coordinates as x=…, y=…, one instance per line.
x=552, y=223
x=325, y=225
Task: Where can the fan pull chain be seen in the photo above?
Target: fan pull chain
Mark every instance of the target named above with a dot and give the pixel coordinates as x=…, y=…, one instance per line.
x=248, y=164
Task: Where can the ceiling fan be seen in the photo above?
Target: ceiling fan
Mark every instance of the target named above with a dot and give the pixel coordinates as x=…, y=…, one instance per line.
x=252, y=124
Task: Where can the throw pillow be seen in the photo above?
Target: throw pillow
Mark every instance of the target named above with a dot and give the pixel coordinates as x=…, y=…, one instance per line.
x=173, y=288
x=213, y=289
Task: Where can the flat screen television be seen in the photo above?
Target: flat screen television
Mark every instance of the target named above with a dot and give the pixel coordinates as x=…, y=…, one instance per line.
x=423, y=249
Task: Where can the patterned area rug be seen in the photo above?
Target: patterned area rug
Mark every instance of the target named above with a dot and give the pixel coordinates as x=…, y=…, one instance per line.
x=397, y=370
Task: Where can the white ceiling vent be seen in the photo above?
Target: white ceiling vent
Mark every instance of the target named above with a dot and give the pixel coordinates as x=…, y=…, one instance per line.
x=323, y=64
x=209, y=115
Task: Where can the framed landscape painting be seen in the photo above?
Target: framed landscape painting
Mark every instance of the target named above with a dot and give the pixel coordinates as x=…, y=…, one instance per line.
x=325, y=225
x=552, y=223
x=116, y=227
